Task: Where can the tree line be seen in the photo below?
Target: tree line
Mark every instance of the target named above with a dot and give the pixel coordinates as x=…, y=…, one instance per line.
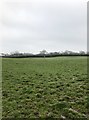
x=44, y=53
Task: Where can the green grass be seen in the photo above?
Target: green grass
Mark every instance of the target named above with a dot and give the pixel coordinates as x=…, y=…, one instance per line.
x=45, y=87
x=0, y=88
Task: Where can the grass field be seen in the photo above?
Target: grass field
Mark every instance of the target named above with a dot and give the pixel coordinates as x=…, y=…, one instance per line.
x=45, y=88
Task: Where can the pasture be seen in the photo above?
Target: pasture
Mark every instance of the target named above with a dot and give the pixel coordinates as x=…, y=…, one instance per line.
x=45, y=88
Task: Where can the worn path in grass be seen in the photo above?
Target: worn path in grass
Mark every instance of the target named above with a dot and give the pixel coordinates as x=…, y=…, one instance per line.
x=45, y=87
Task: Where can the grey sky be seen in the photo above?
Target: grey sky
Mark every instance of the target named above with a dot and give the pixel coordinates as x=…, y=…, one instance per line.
x=54, y=25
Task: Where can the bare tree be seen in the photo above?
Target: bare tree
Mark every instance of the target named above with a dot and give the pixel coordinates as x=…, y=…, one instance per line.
x=82, y=53
x=43, y=52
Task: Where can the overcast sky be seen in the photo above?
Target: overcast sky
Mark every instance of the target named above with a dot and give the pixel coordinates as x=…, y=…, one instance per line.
x=34, y=25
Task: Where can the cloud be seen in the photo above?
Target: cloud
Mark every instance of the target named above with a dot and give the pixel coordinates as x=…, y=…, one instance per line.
x=43, y=24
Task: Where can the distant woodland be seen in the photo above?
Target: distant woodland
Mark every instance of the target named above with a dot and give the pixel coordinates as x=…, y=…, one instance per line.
x=44, y=53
